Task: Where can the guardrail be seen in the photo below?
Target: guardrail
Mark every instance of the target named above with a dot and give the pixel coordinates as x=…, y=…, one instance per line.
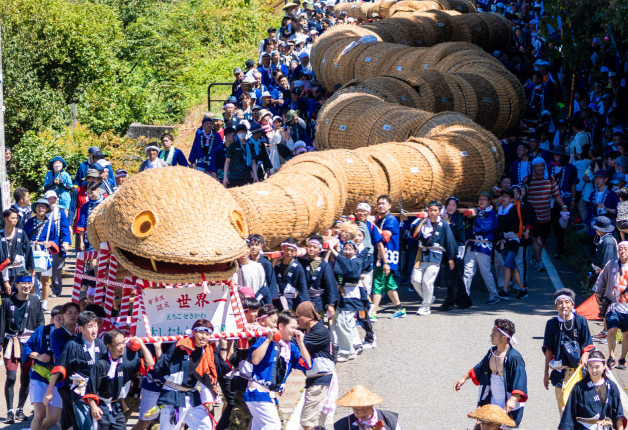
x=209, y=93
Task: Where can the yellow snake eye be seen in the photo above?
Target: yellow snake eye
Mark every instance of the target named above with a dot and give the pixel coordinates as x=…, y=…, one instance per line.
x=237, y=221
x=144, y=224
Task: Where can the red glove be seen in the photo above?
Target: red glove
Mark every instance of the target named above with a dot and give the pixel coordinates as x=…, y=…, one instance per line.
x=469, y=213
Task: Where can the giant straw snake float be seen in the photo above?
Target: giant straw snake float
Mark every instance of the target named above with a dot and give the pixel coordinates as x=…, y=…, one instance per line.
x=177, y=225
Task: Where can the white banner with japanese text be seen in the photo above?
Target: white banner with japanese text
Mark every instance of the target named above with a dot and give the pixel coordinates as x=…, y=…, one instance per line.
x=172, y=311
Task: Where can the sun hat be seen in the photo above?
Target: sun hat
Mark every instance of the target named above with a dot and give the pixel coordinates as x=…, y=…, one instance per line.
x=150, y=147
x=41, y=201
x=492, y=414
x=359, y=396
x=603, y=224
x=291, y=114
x=558, y=150
x=91, y=173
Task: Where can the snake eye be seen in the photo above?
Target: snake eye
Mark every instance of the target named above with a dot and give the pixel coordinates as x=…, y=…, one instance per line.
x=144, y=224
x=237, y=221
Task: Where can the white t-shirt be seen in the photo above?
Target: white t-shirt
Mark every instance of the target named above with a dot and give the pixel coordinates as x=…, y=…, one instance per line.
x=253, y=276
x=91, y=348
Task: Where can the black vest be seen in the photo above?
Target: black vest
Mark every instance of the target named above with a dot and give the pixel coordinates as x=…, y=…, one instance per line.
x=389, y=418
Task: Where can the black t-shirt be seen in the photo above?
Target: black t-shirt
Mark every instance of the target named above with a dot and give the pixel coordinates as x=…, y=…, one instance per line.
x=195, y=360
x=18, y=313
x=318, y=344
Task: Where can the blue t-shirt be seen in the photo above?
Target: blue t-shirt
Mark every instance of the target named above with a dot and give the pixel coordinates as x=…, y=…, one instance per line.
x=389, y=237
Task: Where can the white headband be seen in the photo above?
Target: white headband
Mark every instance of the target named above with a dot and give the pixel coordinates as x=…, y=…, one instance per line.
x=364, y=206
x=625, y=242
x=597, y=359
x=290, y=245
x=513, y=340
x=203, y=328
x=316, y=242
x=563, y=296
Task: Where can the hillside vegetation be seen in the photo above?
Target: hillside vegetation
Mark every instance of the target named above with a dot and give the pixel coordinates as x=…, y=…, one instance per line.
x=121, y=61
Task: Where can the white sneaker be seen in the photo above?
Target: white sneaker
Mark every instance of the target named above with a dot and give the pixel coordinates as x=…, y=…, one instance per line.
x=424, y=311
x=342, y=359
x=370, y=345
x=45, y=309
x=352, y=356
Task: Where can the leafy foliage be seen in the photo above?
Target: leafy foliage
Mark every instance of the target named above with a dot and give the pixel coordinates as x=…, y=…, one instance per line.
x=35, y=151
x=584, y=20
x=122, y=61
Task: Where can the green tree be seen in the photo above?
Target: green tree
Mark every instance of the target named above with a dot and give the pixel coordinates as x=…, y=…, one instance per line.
x=584, y=20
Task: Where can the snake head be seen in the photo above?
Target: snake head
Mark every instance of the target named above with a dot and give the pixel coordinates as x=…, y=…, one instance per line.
x=173, y=225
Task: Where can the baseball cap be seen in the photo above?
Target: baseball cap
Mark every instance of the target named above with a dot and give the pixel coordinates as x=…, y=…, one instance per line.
x=93, y=173
x=237, y=70
x=93, y=149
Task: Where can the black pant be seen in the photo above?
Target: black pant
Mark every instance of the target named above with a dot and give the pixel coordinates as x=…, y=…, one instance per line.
x=229, y=396
x=452, y=279
x=559, y=232
x=111, y=419
x=367, y=325
x=67, y=412
x=239, y=182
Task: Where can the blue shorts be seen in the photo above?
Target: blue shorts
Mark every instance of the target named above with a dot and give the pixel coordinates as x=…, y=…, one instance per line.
x=617, y=320
x=508, y=255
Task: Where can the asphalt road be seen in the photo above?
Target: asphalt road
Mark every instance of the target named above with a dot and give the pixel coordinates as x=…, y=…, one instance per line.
x=419, y=358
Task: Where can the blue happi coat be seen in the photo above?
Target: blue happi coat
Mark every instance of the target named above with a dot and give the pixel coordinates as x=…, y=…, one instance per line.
x=584, y=402
x=515, y=380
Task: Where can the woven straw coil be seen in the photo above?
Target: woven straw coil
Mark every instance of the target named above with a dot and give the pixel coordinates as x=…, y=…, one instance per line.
x=362, y=11
x=463, y=6
x=327, y=171
x=411, y=6
x=332, y=63
x=365, y=179
x=479, y=29
x=372, y=61
x=383, y=8
x=321, y=201
x=404, y=61
x=442, y=50
x=443, y=97
x=346, y=64
x=499, y=31
x=445, y=4
x=415, y=30
x=280, y=213
x=427, y=100
x=440, y=120
x=452, y=63
x=340, y=122
x=380, y=31
x=392, y=170
x=450, y=161
x=468, y=95
x=441, y=22
x=423, y=176
x=392, y=90
x=488, y=100
x=400, y=33
x=394, y=124
x=460, y=31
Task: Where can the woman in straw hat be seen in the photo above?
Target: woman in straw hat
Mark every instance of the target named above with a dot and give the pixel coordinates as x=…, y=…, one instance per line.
x=491, y=417
x=365, y=416
x=594, y=402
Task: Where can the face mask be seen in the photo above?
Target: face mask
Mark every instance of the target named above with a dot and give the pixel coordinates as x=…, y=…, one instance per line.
x=57, y=167
x=241, y=136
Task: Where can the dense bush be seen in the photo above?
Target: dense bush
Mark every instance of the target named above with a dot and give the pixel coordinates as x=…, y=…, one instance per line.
x=35, y=151
x=122, y=61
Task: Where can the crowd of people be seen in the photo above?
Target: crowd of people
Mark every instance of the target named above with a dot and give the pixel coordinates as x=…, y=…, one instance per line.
x=566, y=164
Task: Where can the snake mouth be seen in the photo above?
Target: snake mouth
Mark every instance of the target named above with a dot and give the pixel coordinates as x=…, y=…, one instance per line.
x=168, y=268
x=154, y=269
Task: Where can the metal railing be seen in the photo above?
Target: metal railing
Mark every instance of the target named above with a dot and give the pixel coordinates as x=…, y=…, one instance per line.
x=209, y=93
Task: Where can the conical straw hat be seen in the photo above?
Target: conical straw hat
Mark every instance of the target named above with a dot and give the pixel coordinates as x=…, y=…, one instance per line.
x=359, y=396
x=492, y=414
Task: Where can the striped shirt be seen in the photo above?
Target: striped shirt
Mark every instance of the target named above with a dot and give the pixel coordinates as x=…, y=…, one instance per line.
x=540, y=194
